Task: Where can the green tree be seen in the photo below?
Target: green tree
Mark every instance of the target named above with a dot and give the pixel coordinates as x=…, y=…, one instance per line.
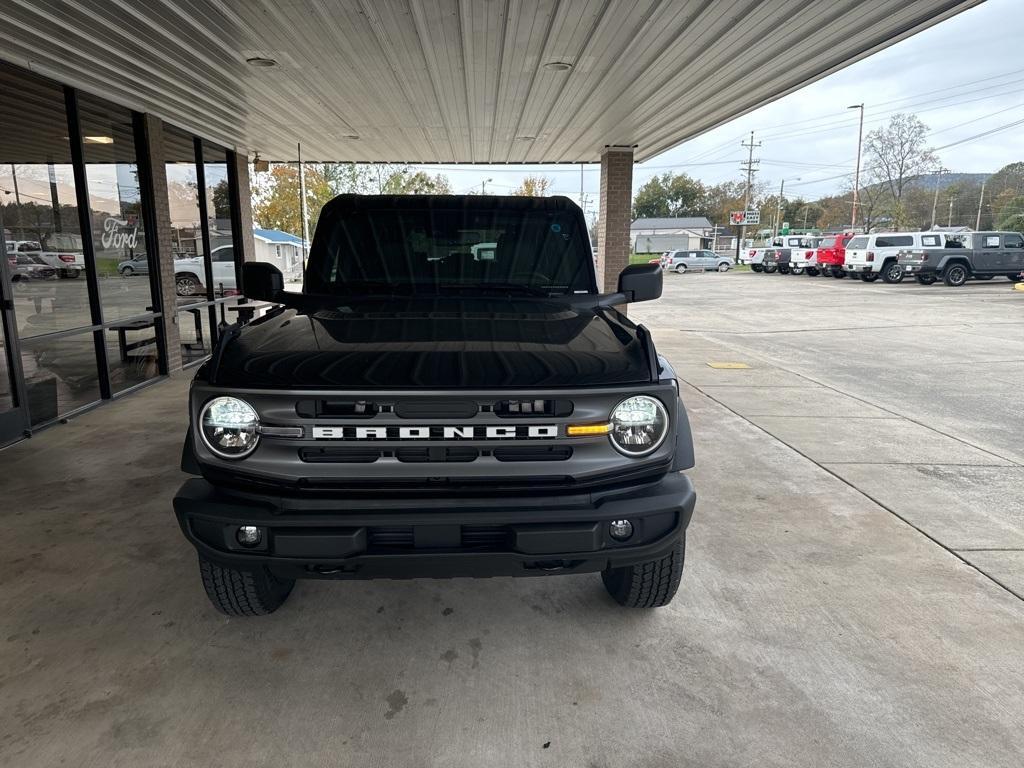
x=670, y=195
x=1011, y=214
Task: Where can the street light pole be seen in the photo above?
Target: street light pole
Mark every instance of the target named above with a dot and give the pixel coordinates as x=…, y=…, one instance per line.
x=856, y=173
x=981, y=197
x=483, y=186
x=778, y=208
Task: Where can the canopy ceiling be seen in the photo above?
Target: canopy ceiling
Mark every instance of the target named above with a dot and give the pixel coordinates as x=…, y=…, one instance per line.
x=450, y=80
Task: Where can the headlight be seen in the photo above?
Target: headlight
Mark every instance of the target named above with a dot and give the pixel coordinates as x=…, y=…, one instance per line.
x=230, y=427
x=638, y=425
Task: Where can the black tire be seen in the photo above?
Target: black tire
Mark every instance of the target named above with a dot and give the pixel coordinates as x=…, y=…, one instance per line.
x=893, y=273
x=925, y=279
x=1013, y=278
x=796, y=271
x=812, y=271
x=770, y=270
x=783, y=269
x=243, y=593
x=680, y=268
x=955, y=275
x=647, y=585
x=127, y=271
x=838, y=274
x=724, y=267
x=756, y=268
x=187, y=284
x=69, y=274
x=870, y=277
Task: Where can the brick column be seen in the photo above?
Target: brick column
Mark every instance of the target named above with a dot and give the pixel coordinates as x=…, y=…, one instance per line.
x=615, y=215
x=247, y=245
x=164, y=257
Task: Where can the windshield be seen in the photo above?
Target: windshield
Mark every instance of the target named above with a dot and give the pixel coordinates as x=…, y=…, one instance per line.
x=828, y=242
x=451, y=249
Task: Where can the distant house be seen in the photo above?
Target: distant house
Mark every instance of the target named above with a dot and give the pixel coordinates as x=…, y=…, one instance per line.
x=666, y=234
x=281, y=249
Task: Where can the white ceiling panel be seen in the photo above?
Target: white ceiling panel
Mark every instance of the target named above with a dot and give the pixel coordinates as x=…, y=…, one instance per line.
x=451, y=80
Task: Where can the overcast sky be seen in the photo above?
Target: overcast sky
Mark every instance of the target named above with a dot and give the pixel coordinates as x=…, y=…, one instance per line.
x=962, y=77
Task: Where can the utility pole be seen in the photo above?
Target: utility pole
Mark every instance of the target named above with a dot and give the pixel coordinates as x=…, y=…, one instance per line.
x=935, y=200
x=856, y=173
x=949, y=221
x=749, y=167
x=778, y=209
x=483, y=186
x=981, y=197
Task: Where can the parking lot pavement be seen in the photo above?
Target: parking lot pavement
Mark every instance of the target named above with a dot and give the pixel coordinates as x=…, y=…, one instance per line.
x=815, y=627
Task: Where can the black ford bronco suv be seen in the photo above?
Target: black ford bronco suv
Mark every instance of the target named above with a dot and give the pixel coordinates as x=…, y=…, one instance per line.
x=449, y=395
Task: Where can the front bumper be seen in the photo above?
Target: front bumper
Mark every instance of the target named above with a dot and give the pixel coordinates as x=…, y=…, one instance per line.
x=352, y=538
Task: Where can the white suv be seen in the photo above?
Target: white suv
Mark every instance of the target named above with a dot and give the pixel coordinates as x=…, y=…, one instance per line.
x=876, y=255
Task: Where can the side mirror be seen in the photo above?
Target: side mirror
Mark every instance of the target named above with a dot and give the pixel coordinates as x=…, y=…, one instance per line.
x=262, y=281
x=641, y=282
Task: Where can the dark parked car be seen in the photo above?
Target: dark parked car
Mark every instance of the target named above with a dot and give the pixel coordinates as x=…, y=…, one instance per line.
x=419, y=412
x=979, y=255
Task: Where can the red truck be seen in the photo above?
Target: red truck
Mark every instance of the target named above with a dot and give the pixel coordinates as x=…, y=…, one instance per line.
x=832, y=254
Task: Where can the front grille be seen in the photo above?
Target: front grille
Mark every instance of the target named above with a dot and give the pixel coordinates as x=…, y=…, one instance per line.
x=480, y=538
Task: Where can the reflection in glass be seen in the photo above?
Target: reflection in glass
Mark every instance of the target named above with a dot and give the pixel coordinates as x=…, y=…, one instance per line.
x=132, y=355
x=218, y=210
x=6, y=384
x=196, y=338
x=60, y=375
x=119, y=240
x=38, y=207
x=186, y=226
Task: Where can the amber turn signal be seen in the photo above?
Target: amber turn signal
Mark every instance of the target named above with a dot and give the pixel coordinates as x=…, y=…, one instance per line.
x=580, y=430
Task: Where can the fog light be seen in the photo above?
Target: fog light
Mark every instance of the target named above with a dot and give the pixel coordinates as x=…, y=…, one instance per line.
x=249, y=536
x=620, y=529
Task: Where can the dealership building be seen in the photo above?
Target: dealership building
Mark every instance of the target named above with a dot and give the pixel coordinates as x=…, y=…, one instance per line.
x=126, y=140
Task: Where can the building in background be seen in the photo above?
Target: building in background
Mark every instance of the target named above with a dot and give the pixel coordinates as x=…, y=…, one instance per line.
x=668, y=234
x=281, y=249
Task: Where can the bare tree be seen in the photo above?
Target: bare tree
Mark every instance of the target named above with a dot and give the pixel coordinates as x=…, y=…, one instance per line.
x=896, y=154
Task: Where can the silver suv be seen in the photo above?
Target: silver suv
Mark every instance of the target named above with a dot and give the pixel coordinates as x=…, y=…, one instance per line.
x=681, y=261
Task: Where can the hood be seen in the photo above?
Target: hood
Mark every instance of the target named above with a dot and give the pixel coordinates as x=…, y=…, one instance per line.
x=435, y=343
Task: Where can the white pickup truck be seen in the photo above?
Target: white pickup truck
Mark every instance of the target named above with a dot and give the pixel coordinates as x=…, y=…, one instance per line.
x=754, y=257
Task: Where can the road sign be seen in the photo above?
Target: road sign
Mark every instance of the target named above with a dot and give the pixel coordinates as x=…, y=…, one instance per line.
x=744, y=217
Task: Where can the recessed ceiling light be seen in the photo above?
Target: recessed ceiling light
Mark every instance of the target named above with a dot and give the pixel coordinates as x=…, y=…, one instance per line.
x=98, y=139
x=259, y=61
x=558, y=66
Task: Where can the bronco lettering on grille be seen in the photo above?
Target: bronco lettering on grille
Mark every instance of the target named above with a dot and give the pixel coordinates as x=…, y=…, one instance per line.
x=458, y=432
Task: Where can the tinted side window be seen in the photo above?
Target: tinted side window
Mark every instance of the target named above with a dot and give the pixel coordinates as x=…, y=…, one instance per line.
x=891, y=241
x=857, y=242
x=1013, y=241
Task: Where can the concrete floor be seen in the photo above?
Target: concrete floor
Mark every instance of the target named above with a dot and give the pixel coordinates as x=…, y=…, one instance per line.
x=847, y=597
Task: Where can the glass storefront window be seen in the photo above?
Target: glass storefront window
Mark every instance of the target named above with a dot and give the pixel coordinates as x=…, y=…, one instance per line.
x=38, y=207
x=196, y=334
x=218, y=217
x=115, y=197
x=132, y=354
x=186, y=226
x=60, y=374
